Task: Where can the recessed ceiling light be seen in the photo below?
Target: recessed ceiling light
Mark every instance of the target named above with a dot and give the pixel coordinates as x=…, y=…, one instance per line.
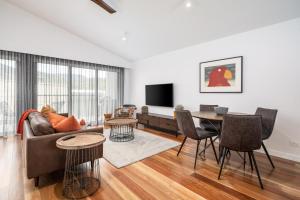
x=188, y=4
x=124, y=37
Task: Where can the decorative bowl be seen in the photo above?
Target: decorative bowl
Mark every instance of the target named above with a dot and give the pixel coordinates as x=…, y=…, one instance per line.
x=221, y=110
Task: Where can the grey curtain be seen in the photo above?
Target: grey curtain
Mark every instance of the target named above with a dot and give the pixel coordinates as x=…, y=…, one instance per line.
x=26, y=83
x=86, y=90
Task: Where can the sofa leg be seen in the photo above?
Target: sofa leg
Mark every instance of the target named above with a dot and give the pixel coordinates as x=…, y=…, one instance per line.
x=36, y=181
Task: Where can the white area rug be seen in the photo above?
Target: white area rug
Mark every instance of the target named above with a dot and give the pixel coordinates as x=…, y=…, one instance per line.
x=144, y=145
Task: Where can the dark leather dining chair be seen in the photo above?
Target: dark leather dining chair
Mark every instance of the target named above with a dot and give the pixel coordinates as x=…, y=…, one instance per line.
x=209, y=125
x=268, y=121
x=242, y=133
x=187, y=128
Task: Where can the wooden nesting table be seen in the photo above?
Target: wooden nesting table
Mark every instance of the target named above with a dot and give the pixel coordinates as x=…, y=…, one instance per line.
x=121, y=129
x=82, y=169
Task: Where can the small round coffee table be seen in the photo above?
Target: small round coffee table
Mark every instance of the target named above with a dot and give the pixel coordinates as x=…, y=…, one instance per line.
x=121, y=129
x=82, y=170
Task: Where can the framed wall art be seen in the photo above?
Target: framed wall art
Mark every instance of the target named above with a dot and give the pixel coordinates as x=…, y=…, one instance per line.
x=222, y=76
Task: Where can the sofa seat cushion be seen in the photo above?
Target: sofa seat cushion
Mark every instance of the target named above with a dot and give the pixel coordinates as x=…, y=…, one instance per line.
x=39, y=124
x=67, y=124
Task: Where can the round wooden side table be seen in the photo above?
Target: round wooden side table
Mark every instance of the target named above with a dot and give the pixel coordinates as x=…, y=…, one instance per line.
x=82, y=170
x=121, y=129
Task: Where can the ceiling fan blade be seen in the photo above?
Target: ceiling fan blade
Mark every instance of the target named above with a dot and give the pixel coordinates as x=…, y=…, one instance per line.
x=105, y=6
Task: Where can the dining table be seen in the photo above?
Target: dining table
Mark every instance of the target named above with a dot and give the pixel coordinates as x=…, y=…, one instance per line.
x=211, y=116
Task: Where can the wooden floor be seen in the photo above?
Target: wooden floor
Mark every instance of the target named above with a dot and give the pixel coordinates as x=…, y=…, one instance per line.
x=163, y=176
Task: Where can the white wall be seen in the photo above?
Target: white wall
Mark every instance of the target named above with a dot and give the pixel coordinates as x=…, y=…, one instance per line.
x=271, y=79
x=21, y=31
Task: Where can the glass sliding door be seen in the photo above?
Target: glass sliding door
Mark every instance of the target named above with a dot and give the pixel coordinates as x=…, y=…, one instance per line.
x=52, y=86
x=107, y=93
x=7, y=97
x=84, y=99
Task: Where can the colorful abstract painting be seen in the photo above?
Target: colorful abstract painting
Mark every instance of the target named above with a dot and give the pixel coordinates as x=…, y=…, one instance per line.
x=220, y=76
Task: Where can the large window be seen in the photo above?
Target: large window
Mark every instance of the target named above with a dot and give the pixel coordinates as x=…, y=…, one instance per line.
x=107, y=93
x=85, y=90
x=84, y=94
x=52, y=86
x=7, y=97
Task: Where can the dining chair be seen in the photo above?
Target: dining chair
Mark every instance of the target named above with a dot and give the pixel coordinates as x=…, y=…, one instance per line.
x=209, y=124
x=268, y=121
x=187, y=127
x=242, y=133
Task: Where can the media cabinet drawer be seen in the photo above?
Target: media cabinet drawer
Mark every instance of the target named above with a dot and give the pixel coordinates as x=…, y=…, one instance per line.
x=157, y=121
x=168, y=124
x=142, y=119
x=153, y=121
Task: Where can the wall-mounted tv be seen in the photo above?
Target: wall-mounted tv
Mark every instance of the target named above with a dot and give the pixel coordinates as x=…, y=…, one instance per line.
x=159, y=95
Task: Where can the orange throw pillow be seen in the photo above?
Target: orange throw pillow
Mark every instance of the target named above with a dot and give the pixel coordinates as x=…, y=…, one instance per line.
x=54, y=118
x=68, y=124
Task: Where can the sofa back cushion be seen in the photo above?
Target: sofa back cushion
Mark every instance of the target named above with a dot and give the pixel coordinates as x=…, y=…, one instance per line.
x=39, y=124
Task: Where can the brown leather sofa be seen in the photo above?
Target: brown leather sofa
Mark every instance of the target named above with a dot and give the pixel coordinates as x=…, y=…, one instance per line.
x=41, y=154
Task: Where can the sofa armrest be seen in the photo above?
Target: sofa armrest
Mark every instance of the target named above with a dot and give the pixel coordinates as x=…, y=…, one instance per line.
x=42, y=155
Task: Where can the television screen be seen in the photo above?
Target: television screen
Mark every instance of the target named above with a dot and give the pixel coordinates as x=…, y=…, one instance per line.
x=159, y=95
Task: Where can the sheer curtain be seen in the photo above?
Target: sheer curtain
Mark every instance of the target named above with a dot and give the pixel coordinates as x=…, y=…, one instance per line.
x=84, y=100
x=107, y=93
x=7, y=94
x=52, y=85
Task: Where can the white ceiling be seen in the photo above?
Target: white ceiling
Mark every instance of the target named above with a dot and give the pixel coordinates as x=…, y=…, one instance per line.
x=157, y=26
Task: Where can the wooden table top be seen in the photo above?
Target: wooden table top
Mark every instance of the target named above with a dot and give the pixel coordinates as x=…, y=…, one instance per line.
x=80, y=141
x=121, y=121
x=212, y=115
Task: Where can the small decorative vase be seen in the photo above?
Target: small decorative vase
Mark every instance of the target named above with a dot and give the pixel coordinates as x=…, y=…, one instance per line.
x=178, y=108
x=145, y=110
x=221, y=110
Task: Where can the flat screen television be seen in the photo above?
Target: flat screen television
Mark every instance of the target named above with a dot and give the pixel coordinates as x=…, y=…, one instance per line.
x=159, y=95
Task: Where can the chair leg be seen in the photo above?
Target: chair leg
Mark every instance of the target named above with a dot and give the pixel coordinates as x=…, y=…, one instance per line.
x=250, y=161
x=198, y=143
x=244, y=160
x=256, y=168
x=213, y=146
x=222, y=163
x=181, y=145
x=36, y=181
x=204, y=148
x=269, y=157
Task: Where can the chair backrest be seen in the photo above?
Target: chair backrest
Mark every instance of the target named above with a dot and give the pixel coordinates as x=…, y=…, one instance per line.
x=268, y=120
x=241, y=132
x=209, y=108
x=206, y=124
x=186, y=124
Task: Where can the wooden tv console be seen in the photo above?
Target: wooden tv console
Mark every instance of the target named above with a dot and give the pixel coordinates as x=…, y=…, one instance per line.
x=157, y=121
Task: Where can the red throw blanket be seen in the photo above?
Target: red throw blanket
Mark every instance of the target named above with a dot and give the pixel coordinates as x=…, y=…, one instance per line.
x=22, y=119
